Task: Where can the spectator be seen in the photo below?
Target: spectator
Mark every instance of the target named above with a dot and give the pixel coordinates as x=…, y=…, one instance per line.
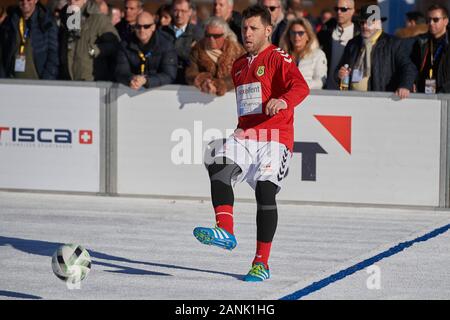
x=115, y=14
x=102, y=7
x=212, y=58
x=325, y=16
x=294, y=10
x=203, y=13
x=183, y=34
x=300, y=41
x=224, y=10
x=88, y=49
x=149, y=60
x=29, y=42
x=133, y=8
x=57, y=6
x=335, y=35
x=415, y=25
x=430, y=50
x=377, y=60
x=279, y=22
x=2, y=14
x=163, y=16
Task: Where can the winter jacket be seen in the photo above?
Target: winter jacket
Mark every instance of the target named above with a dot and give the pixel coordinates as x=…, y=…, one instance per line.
x=160, y=64
x=183, y=46
x=391, y=67
x=314, y=68
x=44, y=42
x=441, y=73
x=98, y=33
x=325, y=37
x=202, y=67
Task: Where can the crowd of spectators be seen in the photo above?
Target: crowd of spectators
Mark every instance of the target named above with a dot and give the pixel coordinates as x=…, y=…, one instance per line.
x=342, y=49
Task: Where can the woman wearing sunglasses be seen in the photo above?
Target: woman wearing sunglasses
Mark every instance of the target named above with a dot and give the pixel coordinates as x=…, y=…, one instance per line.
x=299, y=40
x=212, y=58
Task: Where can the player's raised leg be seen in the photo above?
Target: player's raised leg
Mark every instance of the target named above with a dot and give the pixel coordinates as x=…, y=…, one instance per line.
x=221, y=173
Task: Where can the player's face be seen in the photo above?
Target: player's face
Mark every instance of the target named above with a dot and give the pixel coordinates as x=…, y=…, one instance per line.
x=255, y=34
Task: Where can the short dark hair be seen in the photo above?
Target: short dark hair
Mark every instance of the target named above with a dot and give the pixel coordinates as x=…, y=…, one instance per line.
x=191, y=5
x=416, y=16
x=439, y=7
x=258, y=10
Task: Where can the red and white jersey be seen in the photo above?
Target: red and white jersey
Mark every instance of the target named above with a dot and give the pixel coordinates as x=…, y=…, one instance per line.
x=272, y=74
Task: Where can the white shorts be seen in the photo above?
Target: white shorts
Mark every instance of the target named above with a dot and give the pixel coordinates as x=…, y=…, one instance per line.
x=258, y=160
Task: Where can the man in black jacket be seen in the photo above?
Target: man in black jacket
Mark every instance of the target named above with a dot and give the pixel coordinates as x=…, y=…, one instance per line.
x=149, y=60
x=430, y=53
x=376, y=60
x=132, y=8
x=29, y=43
x=224, y=9
x=183, y=34
x=335, y=35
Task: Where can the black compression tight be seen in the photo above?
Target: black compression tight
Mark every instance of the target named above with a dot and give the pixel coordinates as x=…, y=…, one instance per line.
x=267, y=214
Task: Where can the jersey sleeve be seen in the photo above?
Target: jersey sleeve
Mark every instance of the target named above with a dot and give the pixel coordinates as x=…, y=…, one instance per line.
x=295, y=87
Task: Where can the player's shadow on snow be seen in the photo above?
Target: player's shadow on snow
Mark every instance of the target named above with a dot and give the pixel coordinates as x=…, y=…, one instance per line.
x=44, y=248
x=18, y=295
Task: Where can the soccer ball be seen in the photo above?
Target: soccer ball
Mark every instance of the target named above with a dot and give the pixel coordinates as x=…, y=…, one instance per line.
x=71, y=263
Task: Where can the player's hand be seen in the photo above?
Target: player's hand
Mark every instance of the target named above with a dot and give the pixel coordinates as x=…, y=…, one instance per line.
x=274, y=106
x=402, y=93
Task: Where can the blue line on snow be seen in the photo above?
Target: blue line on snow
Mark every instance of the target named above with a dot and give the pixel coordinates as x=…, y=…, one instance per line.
x=362, y=265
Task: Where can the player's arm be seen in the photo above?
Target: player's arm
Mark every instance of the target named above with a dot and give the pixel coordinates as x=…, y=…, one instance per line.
x=296, y=88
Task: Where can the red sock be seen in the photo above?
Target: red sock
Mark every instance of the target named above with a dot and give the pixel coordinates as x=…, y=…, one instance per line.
x=262, y=253
x=224, y=217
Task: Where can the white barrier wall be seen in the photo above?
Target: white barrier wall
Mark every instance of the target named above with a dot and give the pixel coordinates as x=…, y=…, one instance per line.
x=50, y=138
x=348, y=149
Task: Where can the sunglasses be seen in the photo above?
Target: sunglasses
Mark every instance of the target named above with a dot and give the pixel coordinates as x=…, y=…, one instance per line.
x=143, y=26
x=272, y=8
x=297, y=33
x=342, y=9
x=434, y=19
x=215, y=36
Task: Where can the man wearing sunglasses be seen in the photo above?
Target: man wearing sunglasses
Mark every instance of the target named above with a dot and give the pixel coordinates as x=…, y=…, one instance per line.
x=149, y=59
x=29, y=42
x=377, y=61
x=212, y=58
x=430, y=51
x=335, y=35
x=279, y=21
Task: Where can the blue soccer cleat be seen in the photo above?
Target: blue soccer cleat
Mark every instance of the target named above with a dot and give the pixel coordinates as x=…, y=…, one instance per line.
x=257, y=273
x=215, y=236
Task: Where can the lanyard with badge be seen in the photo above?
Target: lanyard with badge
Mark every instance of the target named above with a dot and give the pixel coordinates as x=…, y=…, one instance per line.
x=143, y=58
x=430, y=83
x=20, y=58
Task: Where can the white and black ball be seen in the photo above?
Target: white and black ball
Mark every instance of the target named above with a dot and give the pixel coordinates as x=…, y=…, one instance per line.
x=71, y=263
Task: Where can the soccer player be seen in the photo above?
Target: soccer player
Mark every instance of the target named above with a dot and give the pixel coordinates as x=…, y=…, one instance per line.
x=268, y=88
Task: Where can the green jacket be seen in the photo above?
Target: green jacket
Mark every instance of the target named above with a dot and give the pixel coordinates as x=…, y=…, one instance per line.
x=97, y=33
